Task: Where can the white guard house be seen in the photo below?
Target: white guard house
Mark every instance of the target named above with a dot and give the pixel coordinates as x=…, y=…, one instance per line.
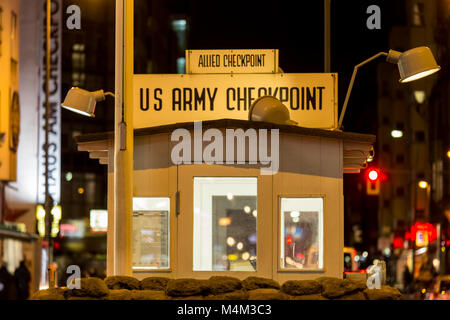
x=196, y=220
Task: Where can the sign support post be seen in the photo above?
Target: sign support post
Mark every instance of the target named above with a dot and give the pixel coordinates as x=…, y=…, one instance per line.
x=123, y=140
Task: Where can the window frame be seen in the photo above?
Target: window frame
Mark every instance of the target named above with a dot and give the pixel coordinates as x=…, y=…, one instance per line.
x=194, y=220
x=277, y=253
x=169, y=269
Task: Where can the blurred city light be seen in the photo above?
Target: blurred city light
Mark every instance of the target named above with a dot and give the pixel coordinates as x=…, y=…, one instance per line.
x=225, y=221
x=397, y=134
x=69, y=176
x=423, y=184
x=231, y=241
x=295, y=214
x=419, y=95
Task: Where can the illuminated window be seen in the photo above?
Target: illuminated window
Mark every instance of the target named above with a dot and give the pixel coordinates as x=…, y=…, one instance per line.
x=225, y=217
x=78, y=56
x=151, y=233
x=301, y=233
x=78, y=79
x=418, y=15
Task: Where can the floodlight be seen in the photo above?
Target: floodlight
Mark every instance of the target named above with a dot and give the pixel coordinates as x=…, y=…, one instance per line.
x=412, y=65
x=82, y=101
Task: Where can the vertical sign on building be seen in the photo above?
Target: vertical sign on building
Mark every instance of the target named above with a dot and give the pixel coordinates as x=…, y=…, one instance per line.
x=54, y=148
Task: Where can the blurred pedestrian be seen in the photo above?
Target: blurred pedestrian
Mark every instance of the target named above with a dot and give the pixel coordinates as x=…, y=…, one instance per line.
x=407, y=280
x=8, y=288
x=23, y=277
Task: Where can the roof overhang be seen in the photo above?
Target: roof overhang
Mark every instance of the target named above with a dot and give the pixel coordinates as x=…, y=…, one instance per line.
x=357, y=147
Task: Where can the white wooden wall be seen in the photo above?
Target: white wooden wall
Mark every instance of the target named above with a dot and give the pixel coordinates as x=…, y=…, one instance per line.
x=309, y=166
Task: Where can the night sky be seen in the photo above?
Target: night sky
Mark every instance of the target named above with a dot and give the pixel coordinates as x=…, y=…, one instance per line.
x=296, y=29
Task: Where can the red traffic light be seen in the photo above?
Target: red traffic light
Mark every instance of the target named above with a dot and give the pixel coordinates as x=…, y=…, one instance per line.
x=373, y=175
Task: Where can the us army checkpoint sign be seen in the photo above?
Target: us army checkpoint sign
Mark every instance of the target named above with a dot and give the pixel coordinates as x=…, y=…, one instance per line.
x=160, y=99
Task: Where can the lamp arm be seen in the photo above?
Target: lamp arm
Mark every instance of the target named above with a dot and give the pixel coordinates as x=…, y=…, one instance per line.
x=110, y=94
x=350, y=86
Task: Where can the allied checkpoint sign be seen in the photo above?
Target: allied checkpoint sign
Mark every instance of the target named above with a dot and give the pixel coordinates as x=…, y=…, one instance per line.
x=161, y=99
x=232, y=61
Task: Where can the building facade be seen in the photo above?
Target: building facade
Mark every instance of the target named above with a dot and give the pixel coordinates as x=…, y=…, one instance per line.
x=404, y=137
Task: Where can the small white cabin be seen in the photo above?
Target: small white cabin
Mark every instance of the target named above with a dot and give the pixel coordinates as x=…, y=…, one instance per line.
x=194, y=219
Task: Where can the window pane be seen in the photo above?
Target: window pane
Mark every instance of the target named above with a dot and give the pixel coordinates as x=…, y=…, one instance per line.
x=302, y=233
x=225, y=224
x=151, y=233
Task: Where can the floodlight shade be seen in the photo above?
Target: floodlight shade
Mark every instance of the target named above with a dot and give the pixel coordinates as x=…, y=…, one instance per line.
x=270, y=109
x=82, y=101
x=414, y=64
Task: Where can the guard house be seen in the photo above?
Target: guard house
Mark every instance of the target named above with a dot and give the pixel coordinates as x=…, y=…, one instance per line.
x=279, y=214
x=215, y=193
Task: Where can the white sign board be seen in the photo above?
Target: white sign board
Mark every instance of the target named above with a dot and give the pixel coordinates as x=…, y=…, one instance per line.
x=54, y=149
x=232, y=61
x=160, y=99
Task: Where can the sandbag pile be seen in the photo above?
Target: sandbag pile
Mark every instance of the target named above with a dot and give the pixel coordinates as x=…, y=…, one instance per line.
x=218, y=288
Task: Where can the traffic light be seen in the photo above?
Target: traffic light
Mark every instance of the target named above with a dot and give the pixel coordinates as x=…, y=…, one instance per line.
x=373, y=181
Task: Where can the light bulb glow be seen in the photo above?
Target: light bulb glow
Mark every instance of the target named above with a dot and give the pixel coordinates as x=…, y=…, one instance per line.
x=397, y=134
x=373, y=175
x=423, y=184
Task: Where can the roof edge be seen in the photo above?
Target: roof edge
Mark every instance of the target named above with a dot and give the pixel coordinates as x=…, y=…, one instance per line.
x=234, y=123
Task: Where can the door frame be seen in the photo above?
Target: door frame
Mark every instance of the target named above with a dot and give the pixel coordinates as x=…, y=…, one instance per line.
x=185, y=220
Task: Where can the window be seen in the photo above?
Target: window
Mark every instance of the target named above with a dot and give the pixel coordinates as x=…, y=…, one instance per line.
x=301, y=233
x=225, y=215
x=400, y=192
x=420, y=136
x=151, y=233
x=386, y=148
x=78, y=56
x=400, y=158
x=418, y=18
x=78, y=79
x=400, y=126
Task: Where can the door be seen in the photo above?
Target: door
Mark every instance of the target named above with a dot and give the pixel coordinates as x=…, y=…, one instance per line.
x=224, y=222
